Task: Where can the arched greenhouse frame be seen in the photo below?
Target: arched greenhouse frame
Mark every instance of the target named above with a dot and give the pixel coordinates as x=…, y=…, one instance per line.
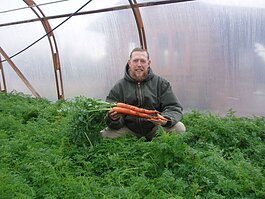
x=212, y=52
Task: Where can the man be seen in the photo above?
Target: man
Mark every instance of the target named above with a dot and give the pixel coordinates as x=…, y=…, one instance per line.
x=141, y=87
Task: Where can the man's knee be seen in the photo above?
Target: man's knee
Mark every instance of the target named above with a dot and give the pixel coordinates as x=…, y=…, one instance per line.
x=179, y=128
x=112, y=133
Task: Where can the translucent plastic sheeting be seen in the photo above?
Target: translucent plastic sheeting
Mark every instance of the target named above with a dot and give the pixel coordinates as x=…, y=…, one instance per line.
x=35, y=63
x=50, y=8
x=213, y=52
x=9, y=7
x=70, y=6
x=95, y=50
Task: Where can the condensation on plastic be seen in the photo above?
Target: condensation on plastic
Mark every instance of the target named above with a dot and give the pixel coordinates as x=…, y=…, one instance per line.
x=212, y=52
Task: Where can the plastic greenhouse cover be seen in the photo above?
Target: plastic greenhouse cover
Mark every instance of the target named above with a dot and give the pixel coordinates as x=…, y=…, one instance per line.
x=212, y=52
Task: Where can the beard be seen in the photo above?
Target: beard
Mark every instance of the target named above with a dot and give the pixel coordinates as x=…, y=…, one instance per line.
x=138, y=75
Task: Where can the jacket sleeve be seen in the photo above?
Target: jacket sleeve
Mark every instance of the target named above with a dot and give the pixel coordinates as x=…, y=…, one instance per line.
x=170, y=105
x=117, y=124
x=114, y=96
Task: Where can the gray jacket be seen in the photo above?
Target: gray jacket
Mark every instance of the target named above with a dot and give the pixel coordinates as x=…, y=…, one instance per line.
x=153, y=93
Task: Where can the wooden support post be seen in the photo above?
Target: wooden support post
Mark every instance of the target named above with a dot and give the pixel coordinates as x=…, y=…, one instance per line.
x=19, y=73
x=2, y=77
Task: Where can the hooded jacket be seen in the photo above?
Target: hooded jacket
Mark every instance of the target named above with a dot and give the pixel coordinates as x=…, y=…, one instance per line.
x=154, y=93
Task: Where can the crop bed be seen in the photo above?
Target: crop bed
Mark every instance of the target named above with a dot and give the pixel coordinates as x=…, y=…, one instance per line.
x=54, y=150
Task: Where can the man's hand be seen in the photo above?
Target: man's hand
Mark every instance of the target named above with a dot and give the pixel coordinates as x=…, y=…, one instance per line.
x=113, y=115
x=159, y=121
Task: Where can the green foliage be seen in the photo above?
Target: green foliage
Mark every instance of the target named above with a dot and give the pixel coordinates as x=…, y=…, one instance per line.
x=86, y=120
x=46, y=152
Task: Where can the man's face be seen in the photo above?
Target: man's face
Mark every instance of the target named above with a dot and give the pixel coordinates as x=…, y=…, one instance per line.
x=139, y=65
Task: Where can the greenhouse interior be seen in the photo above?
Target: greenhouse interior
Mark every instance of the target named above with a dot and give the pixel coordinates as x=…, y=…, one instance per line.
x=211, y=51
x=180, y=117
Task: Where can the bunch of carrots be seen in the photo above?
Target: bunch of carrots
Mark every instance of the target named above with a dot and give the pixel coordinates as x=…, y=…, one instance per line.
x=125, y=109
x=135, y=111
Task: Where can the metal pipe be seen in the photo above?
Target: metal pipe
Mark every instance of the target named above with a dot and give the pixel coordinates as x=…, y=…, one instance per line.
x=123, y=7
x=139, y=22
x=53, y=46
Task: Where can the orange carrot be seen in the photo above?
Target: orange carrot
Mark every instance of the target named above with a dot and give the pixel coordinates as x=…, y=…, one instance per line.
x=130, y=112
x=137, y=109
x=133, y=113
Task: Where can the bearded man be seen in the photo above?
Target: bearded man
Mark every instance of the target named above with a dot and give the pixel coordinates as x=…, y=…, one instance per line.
x=142, y=88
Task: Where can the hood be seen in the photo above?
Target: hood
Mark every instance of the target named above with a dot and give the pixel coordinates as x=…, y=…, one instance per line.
x=129, y=78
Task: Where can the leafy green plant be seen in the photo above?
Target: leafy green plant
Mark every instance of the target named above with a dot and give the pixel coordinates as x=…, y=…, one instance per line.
x=40, y=153
x=87, y=119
